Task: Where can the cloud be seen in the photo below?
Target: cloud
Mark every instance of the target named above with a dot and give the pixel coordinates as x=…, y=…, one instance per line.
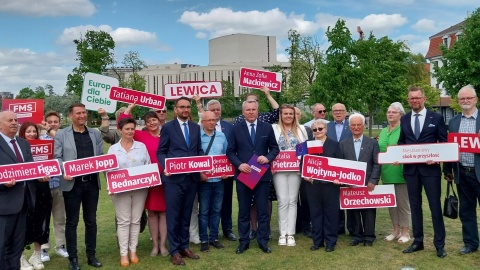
x=54, y=8
x=396, y=2
x=225, y=21
x=281, y=57
x=201, y=35
x=420, y=47
x=424, y=25
x=122, y=36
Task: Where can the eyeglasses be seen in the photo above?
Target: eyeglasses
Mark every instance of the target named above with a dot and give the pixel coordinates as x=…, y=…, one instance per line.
x=317, y=129
x=338, y=111
x=466, y=98
x=184, y=107
x=161, y=111
x=415, y=98
x=392, y=112
x=322, y=111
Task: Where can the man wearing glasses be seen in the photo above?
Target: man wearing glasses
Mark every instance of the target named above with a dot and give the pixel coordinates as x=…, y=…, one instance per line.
x=418, y=127
x=319, y=112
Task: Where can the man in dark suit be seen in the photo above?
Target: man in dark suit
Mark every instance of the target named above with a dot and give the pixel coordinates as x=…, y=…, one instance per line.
x=466, y=172
x=248, y=138
x=226, y=212
x=417, y=127
x=179, y=138
x=338, y=130
x=15, y=198
x=364, y=149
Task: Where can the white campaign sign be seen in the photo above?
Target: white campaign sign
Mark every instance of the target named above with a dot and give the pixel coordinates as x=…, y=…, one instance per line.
x=96, y=92
x=420, y=153
x=189, y=89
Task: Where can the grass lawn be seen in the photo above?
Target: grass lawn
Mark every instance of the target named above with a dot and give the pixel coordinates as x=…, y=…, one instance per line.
x=383, y=255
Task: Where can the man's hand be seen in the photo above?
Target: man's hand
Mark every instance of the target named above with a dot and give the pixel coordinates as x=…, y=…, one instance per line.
x=262, y=160
x=67, y=177
x=166, y=173
x=448, y=177
x=431, y=162
x=10, y=183
x=224, y=176
x=371, y=187
x=244, y=168
x=44, y=179
x=102, y=112
x=203, y=177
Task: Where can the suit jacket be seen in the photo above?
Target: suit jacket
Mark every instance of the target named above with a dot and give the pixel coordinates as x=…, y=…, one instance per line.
x=368, y=153
x=65, y=150
x=240, y=147
x=454, y=126
x=172, y=145
x=12, y=198
x=433, y=131
x=332, y=133
x=227, y=128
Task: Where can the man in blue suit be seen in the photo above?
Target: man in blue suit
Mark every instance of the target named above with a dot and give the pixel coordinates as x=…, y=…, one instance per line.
x=466, y=172
x=252, y=137
x=179, y=138
x=417, y=127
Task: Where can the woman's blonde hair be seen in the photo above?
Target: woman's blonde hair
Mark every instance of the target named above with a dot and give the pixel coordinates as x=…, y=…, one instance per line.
x=295, y=125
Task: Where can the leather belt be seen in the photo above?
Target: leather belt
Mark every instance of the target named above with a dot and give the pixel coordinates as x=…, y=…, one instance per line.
x=84, y=178
x=467, y=169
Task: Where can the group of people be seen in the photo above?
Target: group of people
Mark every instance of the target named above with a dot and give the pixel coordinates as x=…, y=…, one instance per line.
x=305, y=204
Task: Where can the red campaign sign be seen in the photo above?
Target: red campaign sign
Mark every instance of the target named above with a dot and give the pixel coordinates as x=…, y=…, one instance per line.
x=347, y=172
x=286, y=161
x=188, y=164
x=221, y=166
x=133, y=178
x=90, y=165
x=41, y=149
x=26, y=109
x=254, y=78
x=467, y=142
x=359, y=197
x=29, y=170
x=140, y=98
x=189, y=89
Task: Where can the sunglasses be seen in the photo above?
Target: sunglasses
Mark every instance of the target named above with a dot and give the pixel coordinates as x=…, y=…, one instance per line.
x=317, y=129
x=322, y=111
x=161, y=111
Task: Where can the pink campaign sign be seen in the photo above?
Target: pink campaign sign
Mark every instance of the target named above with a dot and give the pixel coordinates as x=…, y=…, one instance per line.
x=133, y=178
x=359, y=197
x=90, y=165
x=140, y=98
x=286, y=161
x=221, y=166
x=188, y=164
x=330, y=169
x=254, y=78
x=29, y=170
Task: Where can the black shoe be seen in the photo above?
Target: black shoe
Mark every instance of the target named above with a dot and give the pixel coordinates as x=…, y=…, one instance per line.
x=92, y=261
x=231, y=236
x=355, y=242
x=252, y=235
x=466, y=250
x=441, y=253
x=368, y=243
x=315, y=247
x=414, y=248
x=330, y=248
x=241, y=248
x=265, y=248
x=204, y=247
x=74, y=265
x=217, y=244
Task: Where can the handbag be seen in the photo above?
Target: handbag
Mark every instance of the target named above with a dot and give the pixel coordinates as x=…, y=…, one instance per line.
x=450, y=206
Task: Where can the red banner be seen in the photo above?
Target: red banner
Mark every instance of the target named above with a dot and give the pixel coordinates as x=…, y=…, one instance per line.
x=254, y=78
x=128, y=179
x=467, y=142
x=41, y=149
x=140, y=98
x=90, y=165
x=188, y=164
x=29, y=170
x=202, y=89
x=359, y=197
x=347, y=172
x=221, y=166
x=286, y=161
x=26, y=109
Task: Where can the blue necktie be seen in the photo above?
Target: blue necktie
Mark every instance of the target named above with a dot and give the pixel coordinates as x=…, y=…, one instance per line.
x=416, y=129
x=252, y=133
x=187, y=135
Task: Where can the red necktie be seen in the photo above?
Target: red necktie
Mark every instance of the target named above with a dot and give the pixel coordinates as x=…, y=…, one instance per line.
x=17, y=152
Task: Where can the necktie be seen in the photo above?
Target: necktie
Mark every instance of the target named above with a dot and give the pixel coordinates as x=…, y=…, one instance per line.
x=252, y=133
x=17, y=152
x=416, y=129
x=187, y=135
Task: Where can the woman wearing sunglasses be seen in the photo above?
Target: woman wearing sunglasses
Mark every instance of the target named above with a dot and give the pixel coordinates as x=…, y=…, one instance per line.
x=287, y=184
x=323, y=196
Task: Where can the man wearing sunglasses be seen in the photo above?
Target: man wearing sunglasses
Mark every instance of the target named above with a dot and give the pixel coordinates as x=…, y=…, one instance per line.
x=319, y=112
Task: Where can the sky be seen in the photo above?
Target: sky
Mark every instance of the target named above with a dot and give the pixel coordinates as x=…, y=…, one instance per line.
x=36, y=36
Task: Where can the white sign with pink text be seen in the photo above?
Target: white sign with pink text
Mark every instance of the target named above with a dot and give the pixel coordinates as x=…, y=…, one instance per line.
x=420, y=153
x=189, y=89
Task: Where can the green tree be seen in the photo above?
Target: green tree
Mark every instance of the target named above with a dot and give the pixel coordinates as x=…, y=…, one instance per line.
x=228, y=100
x=25, y=93
x=461, y=63
x=61, y=103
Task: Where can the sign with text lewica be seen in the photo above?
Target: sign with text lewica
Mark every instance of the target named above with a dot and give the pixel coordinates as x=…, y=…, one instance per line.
x=254, y=78
x=96, y=92
x=286, y=161
x=420, y=153
x=347, y=172
x=189, y=89
x=468, y=142
x=221, y=166
x=29, y=170
x=132, y=178
x=258, y=170
x=188, y=164
x=140, y=98
x=41, y=149
x=26, y=109
x=359, y=197
x=90, y=165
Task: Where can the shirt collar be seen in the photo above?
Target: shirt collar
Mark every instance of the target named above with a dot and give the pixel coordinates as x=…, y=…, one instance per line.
x=423, y=112
x=181, y=122
x=342, y=123
x=202, y=132
x=6, y=138
x=358, y=140
x=474, y=115
x=248, y=123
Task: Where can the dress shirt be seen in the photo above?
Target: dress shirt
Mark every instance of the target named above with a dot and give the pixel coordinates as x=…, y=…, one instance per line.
x=421, y=119
x=219, y=146
x=339, y=129
x=136, y=156
x=357, y=144
x=8, y=139
x=468, y=125
x=180, y=122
